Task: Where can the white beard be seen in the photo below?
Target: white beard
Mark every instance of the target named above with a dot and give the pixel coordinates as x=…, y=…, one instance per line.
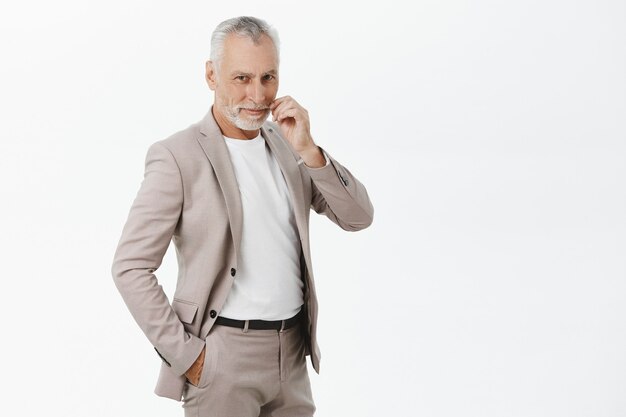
x=245, y=123
x=249, y=124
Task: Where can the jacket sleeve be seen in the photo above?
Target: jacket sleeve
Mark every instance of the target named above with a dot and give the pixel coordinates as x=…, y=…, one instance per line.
x=340, y=196
x=145, y=238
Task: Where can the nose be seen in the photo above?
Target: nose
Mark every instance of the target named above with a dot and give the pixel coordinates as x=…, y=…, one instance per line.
x=256, y=92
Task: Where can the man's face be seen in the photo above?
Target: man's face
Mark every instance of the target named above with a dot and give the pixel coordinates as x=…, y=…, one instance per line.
x=245, y=83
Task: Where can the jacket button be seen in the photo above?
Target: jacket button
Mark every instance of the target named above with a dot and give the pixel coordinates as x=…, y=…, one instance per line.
x=213, y=314
x=233, y=271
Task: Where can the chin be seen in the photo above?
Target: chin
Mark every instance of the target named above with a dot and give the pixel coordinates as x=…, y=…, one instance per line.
x=253, y=124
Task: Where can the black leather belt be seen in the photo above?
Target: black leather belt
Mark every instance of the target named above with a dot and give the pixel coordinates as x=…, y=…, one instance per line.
x=261, y=324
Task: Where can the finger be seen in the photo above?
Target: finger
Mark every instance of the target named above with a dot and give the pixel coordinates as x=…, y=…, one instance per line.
x=275, y=103
x=279, y=111
x=289, y=113
x=281, y=114
x=283, y=104
x=278, y=101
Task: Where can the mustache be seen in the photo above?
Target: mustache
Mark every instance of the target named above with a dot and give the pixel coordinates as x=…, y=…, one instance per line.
x=259, y=107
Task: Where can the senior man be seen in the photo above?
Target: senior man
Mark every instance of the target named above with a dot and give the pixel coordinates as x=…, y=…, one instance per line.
x=234, y=193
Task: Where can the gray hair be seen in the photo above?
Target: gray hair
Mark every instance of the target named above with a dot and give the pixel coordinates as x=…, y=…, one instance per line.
x=247, y=26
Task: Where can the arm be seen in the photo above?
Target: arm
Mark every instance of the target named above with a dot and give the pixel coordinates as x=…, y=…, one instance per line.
x=338, y=195
x=336, y=192
x=146, y=235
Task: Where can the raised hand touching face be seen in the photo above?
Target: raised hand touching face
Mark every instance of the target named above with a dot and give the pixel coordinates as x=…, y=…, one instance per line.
x=295, y=126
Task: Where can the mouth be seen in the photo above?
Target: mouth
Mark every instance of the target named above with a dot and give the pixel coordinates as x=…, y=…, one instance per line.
x=255, y=112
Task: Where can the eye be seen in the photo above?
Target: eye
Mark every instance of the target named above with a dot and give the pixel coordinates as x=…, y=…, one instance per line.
x=241, y=78
x=268, y=77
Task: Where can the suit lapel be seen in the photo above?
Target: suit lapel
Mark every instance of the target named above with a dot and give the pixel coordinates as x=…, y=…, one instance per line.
x=291, y=172
x=213, y=145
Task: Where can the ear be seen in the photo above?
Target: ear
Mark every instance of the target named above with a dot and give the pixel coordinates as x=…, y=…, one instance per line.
x=211, y=75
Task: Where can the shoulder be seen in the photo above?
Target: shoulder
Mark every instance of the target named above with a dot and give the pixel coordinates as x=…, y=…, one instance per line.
x=181, y=139
x=180, y=142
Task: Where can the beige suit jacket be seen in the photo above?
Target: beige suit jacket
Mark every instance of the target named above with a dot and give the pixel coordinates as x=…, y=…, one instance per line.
x=189, y=195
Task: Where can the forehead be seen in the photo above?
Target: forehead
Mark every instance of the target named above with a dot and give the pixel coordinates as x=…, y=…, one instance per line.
x=242, y=53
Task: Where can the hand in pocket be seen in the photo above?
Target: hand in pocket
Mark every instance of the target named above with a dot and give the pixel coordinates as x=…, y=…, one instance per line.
x=194, y=373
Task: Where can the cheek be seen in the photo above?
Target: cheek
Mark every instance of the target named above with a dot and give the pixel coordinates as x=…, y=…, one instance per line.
x=274, y=91
x=235, y=94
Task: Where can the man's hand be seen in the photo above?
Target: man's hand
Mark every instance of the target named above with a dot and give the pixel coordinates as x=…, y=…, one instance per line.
x=194, y=373
x=293, y=120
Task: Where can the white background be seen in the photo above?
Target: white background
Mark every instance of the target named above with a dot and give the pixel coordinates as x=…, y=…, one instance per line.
x=491, y=136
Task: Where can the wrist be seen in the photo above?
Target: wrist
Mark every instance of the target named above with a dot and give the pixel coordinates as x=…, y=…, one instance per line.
x=313, y=157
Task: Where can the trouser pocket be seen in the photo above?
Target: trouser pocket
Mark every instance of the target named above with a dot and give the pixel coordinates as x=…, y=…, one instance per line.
x=210, y=361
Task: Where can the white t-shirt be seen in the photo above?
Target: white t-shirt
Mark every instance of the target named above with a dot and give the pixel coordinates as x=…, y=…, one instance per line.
x=268, y=284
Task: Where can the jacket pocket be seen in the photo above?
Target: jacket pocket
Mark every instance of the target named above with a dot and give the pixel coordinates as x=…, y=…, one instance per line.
x=185, y=310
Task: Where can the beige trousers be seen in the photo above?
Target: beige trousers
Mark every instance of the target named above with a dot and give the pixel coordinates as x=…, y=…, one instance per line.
x=251, y=373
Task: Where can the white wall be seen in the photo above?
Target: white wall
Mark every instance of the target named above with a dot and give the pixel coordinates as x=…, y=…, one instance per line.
x=491, y=136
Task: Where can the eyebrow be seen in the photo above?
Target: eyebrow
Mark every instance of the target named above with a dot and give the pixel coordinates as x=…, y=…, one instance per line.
x=248, y=74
